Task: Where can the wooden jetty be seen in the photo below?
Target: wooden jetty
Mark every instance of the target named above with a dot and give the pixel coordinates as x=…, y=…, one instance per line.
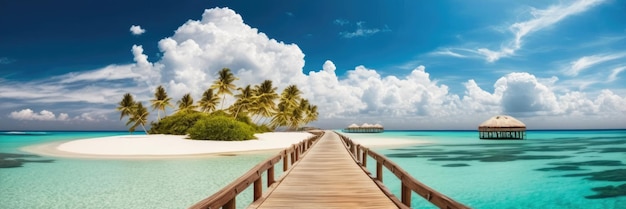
x=326, y=171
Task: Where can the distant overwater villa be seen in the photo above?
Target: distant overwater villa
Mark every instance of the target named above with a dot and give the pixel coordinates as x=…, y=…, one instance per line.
x=502, y=127
x=365, y=128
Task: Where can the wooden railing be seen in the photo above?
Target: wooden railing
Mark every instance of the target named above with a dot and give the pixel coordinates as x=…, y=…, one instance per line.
x=409, y=184
x=226, y=197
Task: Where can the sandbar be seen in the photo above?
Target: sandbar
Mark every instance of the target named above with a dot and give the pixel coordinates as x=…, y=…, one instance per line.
x=177, y=146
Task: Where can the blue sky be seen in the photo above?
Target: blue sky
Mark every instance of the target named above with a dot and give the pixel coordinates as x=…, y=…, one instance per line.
x=404, y=64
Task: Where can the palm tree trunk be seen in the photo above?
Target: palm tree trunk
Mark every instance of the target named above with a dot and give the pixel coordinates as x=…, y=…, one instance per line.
x=223, y=98
x=144, y=129
x=236, y=113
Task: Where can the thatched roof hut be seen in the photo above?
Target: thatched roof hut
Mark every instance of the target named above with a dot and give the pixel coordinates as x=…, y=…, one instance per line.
x=502, y=127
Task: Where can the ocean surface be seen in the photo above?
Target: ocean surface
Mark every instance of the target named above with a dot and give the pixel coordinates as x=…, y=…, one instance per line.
x=550, y=169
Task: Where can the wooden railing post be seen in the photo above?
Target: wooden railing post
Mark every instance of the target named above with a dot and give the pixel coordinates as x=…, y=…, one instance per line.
x=352, y=148
x=293, y=155
x=406, y=195
x=270, y=176
x=364, y=158
x=258, y=188
x=379, y=170
x=285, y=161
x=231, y=204
x=357, y=154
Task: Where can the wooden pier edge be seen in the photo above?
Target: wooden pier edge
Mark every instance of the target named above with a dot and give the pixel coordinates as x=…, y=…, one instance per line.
x=226, y=197
x=408, y=183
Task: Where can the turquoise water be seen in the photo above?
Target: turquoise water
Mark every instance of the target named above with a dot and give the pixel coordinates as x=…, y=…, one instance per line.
x=532, y=173
x=482, y=174
x=84, y=183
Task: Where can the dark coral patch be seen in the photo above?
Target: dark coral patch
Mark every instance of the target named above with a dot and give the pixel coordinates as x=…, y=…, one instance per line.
x=10, y=163
x=613, y=149
x=608, y=175
x=593, y=163
x=12, y=160
x=401, y=155
x=455, y=165
x=561, y=168
x=608, y=192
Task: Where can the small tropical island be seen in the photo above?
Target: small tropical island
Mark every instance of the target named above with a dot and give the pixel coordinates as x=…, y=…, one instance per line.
x=254, y=111
x=206, y=127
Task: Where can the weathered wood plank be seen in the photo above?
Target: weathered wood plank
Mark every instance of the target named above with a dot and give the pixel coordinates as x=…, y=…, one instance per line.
x=327, y=177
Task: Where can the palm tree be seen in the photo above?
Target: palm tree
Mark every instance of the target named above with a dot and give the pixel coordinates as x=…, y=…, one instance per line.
x=138, y=116
x=126, y=105
x=209, y=101
x=288, y=108
x=281, y=118
x=245, y=99
x=160, y=101
x=311, y=115
x=290, y=96
x=266, y=96
x=224, y=84
x=185, y=104
x=298, y=114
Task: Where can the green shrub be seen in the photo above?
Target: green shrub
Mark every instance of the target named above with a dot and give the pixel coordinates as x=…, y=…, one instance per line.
x=221, y=128
x=177, y=124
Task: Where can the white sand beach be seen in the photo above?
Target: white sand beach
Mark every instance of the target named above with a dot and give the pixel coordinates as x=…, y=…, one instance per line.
x=158, y=146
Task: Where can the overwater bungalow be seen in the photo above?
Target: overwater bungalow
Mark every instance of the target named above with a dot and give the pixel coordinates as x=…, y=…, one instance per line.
x=502, y=127
x=365, y=128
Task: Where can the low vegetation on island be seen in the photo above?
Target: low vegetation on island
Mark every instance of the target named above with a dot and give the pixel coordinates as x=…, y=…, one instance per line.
x=255, y=110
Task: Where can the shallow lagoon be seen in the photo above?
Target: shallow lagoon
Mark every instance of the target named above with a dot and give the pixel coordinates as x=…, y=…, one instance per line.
x=551, y=169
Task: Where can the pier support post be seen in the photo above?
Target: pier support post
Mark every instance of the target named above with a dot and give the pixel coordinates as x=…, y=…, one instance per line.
x=231, y=204
x=406, y=195
x=379, y=171
x=270, y=176
x=258, y=188
x=285, y=161
x=364, y=158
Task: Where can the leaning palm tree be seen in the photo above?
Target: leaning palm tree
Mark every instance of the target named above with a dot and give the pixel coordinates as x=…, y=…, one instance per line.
x=126, y=105
x=290, y=96
x=224, y=84
x=138, y=116
x=185, y=104
x=266, y=96
x=298, y=114
x=160, y=101
x=281, y=118
x=245, y=100
x=295, y=118
x=209, y=101
x=311, y=114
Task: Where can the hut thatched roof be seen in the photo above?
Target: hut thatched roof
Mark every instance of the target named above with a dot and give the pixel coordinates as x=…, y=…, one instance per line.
x=502, y=121
x=378, y=126
x=353, y=126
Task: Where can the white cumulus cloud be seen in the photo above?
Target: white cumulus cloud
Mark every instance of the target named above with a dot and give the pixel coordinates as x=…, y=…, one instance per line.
x=200, y=48
x=137, y=30
x=44, y=115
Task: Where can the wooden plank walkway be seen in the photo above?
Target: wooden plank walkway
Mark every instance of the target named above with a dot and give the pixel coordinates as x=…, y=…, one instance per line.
x=327, y=177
